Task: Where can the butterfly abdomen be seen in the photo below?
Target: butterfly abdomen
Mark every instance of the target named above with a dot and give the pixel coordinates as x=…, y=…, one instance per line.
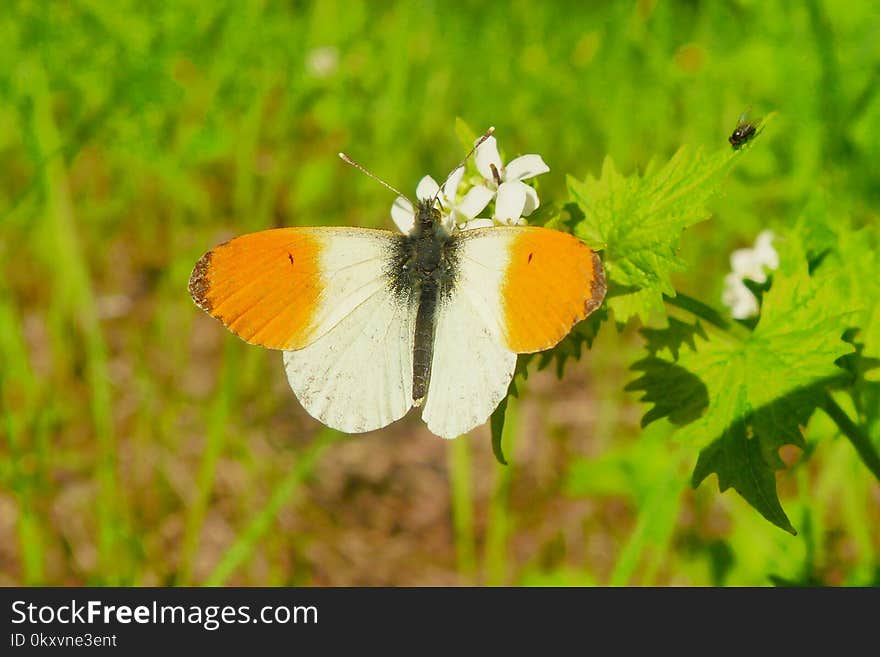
x=423, y=346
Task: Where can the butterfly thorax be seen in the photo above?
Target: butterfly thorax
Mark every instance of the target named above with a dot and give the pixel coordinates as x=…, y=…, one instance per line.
x=425, y=257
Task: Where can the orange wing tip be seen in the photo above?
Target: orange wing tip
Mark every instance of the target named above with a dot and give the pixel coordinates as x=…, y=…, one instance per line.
x=251, y=285
x=553, y=281
x=198, y=282
x=598, y=287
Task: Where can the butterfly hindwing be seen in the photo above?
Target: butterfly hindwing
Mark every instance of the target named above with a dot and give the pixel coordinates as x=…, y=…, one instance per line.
x=358, y=376
x=471, y=367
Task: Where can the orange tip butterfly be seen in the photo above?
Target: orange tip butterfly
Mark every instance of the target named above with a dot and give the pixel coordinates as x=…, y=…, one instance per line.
x=372, y=323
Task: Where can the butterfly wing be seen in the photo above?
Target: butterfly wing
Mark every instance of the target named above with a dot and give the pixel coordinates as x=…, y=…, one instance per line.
x=358, y=376
x=323, y=296
x=516, y=290
x=284, y=288
x=471, y=367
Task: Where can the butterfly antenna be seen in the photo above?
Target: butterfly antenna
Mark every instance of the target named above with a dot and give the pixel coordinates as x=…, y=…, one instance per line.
x=477, y=144
x=345, y=158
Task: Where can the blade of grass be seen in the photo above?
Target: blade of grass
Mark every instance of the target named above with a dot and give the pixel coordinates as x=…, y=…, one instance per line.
x=75, y=306
x=658, y=511
x=499, y=520
x=19, y=390
x=218, y=414
x=461, y=488
x=657, y=467
x=244, y=547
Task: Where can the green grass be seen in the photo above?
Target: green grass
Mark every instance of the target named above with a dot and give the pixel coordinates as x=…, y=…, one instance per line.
x=142, y=444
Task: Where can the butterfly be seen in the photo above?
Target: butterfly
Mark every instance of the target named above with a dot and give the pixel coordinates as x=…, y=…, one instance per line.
x=372, y=323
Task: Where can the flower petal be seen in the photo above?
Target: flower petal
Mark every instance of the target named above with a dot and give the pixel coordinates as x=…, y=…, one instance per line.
x=764, y=251
x=477, y=223
x=474, y=201
x=532, y=201
x=510, y=201
x=403, y=215
x=450, y=188
x=426, y=188
x=745, y=264
x=738, y=298
x=487, y=153
x=525, y=166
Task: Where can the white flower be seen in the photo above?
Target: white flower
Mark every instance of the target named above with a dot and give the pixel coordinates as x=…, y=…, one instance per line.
x=738, y=298
x=452, y=212
x=514, y=198
x=752, y=264
x=322, y=62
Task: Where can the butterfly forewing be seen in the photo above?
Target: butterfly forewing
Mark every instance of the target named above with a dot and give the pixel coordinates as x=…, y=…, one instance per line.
x=284, y=288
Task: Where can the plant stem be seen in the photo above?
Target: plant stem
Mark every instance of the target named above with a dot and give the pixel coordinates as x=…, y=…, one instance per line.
x=850, y=429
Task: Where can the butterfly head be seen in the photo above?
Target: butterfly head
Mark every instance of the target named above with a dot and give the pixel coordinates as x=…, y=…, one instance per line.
x=428, y=216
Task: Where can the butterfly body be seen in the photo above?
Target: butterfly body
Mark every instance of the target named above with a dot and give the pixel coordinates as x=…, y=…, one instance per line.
x=423, y=272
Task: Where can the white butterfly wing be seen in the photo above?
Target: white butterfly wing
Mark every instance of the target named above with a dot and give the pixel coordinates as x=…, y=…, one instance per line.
x=471, y=369
x=358, y=376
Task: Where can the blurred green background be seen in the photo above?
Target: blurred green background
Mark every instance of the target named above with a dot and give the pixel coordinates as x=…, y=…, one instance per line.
x=143, y=444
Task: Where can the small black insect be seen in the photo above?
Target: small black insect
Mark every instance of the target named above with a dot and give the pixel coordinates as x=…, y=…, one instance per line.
x=743, y=133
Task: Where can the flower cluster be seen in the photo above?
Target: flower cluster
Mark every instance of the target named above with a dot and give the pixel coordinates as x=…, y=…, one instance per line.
x=461, y=200
x=751, y=264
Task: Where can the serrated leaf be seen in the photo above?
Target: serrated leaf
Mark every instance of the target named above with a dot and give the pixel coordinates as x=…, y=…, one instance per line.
x=675, y=393
x=852, y=258
x=646, y=304
x=739, y=464
x=572, y=345
x=754, y=395
x=638, y=220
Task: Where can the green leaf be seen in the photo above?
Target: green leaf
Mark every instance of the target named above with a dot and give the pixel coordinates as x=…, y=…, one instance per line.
x=496, y=424
x=638, y=220
x=737, y=460
x=572, y=345
x=852, y=258
x=499, y=415
x=742, y=399
x=466, y=135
